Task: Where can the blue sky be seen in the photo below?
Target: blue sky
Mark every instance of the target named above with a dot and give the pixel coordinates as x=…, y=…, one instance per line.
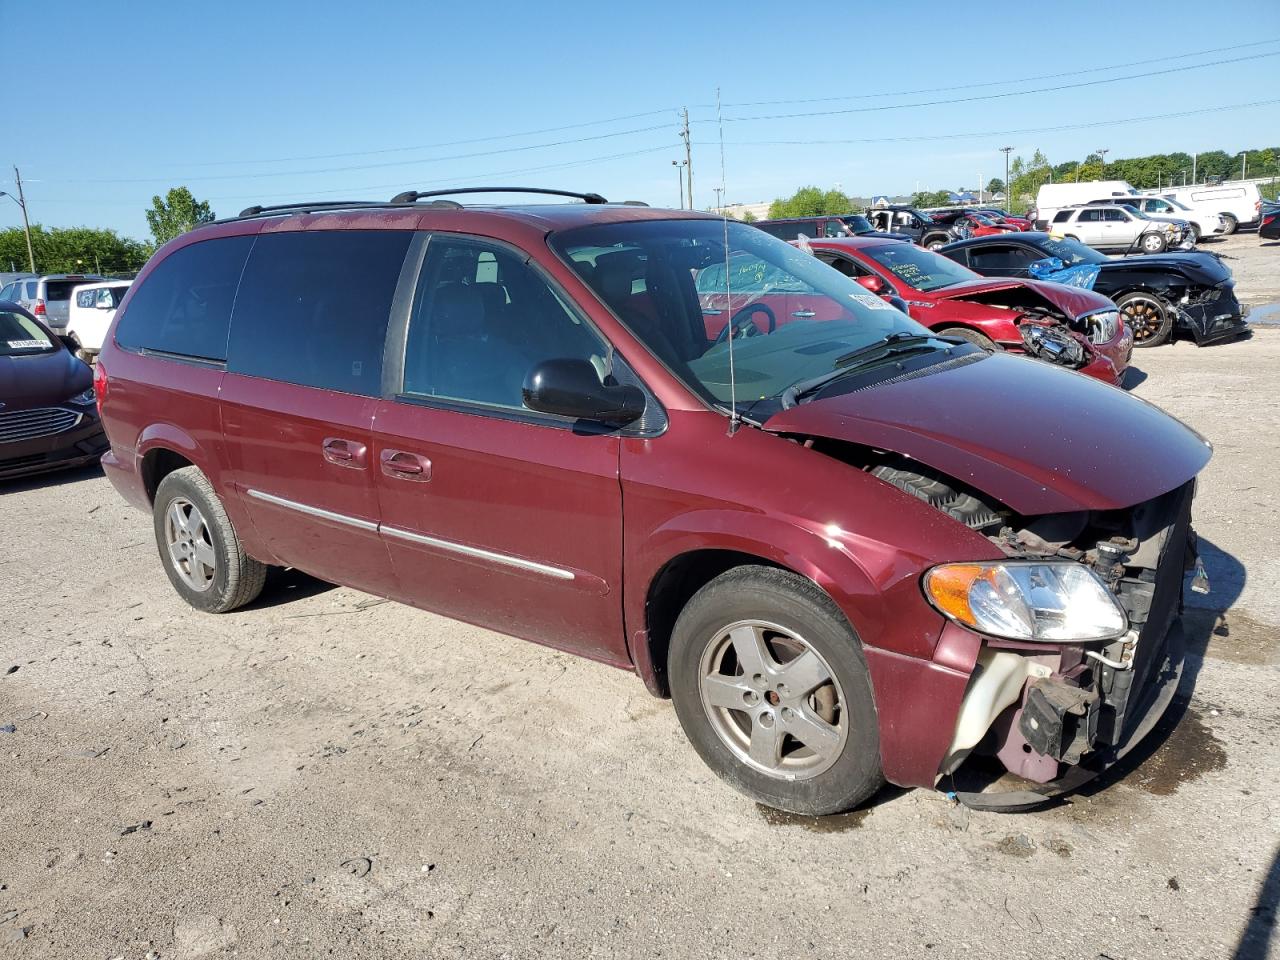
x=271, y=102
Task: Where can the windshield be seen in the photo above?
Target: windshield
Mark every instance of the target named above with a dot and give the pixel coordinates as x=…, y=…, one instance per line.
x=21, y=335
x=674, y=284
x=1177, y=204
x=857, y=223
x=1070, y=252
x=919, y=268
x=1134, y=210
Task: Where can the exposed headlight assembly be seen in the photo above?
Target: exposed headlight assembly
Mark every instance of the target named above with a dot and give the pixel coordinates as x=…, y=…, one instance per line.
x=1051, y=602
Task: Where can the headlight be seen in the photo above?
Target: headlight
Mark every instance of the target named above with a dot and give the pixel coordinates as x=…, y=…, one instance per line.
x=1050, y=602
x=84, y=397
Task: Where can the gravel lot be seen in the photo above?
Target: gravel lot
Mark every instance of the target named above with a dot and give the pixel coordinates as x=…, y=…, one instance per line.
x=328, y=774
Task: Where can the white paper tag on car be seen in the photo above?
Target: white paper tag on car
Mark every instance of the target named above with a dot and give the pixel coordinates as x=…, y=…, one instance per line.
x=870, y=300
x=27, y=344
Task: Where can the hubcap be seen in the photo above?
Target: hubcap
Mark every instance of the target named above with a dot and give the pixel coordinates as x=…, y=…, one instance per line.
x=190, y=545
x=773, y=700
x=1143, y=317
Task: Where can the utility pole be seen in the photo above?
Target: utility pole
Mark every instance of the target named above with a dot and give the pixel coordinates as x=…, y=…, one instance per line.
x=717, y=190
x=26, y=223
x=679, y=180
x=1244, y=161
x=1008, y=191
x=1194, y=157
x=688, y=156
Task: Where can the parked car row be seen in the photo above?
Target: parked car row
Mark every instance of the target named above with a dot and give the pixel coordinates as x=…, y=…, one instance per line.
x=78, y=307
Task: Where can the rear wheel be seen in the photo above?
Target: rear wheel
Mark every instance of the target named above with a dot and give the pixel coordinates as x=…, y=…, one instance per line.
x=1229, y=224
x=973, y=336
x=1148, y=318
x=198, y=545
x=771, y=687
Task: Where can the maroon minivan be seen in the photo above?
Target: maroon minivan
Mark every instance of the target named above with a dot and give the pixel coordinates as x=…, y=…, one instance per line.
x=827, y=539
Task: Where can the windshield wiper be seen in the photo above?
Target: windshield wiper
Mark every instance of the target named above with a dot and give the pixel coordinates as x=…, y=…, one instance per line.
x=888, y=346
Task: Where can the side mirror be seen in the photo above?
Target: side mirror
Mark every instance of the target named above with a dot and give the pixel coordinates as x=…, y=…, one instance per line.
x=571, y=388
x=871, y=282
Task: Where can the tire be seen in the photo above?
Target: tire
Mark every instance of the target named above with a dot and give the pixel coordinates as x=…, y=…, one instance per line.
x=1153, y=243
x=1148, y=318
x=1229, y=224
x=935, y=242
x=973, y=336
x=202, y=555
x=779, y=619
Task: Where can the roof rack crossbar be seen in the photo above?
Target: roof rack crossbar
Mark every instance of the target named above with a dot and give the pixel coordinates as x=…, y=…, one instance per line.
x=258, y=209
x=410, y=196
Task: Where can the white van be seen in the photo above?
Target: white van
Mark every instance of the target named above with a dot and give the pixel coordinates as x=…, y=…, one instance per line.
x=1055, y=196
x=91, y=309
x=1237, y=203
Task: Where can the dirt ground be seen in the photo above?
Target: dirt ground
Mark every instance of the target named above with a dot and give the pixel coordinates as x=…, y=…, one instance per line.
x=326, y=774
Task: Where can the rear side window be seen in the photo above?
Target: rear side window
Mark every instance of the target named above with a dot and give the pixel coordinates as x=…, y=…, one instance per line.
x=313, y=308
x=183, y=306
x=86, y=298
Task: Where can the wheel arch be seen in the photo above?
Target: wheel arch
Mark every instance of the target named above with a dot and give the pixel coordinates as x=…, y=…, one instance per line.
x=163, y=448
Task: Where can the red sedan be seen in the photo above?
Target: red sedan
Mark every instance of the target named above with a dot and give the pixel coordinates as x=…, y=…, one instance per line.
x=1064, y=325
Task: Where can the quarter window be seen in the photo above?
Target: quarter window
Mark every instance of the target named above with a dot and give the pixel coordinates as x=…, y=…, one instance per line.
x=1062, y=216
x=183, y=306
x=482, y=319
x=313, y=308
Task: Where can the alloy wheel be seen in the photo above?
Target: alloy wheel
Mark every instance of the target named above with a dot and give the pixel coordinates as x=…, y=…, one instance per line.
x=1143, y=316
x=189, y=544
x=773, y=700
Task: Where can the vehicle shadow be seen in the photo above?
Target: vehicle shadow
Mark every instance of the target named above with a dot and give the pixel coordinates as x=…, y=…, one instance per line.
x=1259, y=929
x=56, y=478
x=1132, y=377
x=287, y=585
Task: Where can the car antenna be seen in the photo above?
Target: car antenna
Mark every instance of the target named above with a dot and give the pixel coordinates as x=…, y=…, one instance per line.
x=735, y=420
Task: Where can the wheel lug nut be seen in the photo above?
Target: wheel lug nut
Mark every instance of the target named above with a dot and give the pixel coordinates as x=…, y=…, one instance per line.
x=766, y=719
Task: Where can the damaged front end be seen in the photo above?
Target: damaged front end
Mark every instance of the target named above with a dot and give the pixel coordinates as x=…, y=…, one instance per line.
x=1057, y=712
x=1212, y=313
x=1071, y=328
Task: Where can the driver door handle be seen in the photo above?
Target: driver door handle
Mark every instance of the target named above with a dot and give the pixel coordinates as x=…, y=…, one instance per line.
x=805, y=314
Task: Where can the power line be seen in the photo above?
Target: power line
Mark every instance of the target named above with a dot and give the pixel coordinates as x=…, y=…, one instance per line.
x=468, y=178
x=1004, y=133
x=997, y=96
x=998, y=83
x=437, y=146
x=363, y=166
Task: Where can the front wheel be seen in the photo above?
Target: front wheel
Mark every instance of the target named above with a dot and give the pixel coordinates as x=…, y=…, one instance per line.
x=771, y=688
x=1148, y=318
x=199, y=547
x=973, y=336
x=1153, y=243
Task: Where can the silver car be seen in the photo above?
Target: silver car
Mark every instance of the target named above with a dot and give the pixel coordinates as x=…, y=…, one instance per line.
x=47, y=297
x=1118, y=227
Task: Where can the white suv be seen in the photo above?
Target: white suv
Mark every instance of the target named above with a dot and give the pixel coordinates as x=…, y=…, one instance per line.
x=1160, y=208
x=1115, y=227
x=91, y=309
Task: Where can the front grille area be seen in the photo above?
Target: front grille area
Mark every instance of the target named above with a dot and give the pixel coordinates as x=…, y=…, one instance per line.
x=18, y=425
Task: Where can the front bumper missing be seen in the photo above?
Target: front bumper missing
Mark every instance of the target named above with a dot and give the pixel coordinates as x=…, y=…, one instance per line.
x=1216, y=316
x=1073, y=732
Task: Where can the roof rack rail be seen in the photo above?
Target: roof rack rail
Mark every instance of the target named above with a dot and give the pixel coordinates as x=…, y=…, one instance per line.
x=258, y=210
x=410, y=196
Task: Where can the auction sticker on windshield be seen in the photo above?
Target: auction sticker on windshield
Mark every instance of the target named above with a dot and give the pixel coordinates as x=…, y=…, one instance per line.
x=27, y=344
x=870, y=300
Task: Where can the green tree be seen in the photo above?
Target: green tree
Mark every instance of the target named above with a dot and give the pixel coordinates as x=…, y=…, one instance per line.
x=931, y=198
x=73, y=250
x=175, y=214
x=995, y=185
x=749, y=217
x=811, y=202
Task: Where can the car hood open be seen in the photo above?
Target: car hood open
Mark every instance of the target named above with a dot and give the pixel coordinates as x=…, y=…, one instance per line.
x=1038, y=438
x=1073, y=301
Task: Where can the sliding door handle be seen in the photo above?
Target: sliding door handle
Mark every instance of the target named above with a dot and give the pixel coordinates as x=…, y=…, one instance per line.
x=405, y=466
x=345, y=453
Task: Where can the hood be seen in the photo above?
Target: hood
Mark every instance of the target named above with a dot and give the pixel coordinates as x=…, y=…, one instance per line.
x=1196, y=265
x=1073, y=443
x=1073, y=301
x=883, y=235
x=40, y=379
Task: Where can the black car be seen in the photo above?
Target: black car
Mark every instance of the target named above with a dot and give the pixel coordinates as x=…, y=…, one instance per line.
x=48, y=416
x=912, y=222
x=828, y=225
x=1269, y=224
x=1156, y=294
